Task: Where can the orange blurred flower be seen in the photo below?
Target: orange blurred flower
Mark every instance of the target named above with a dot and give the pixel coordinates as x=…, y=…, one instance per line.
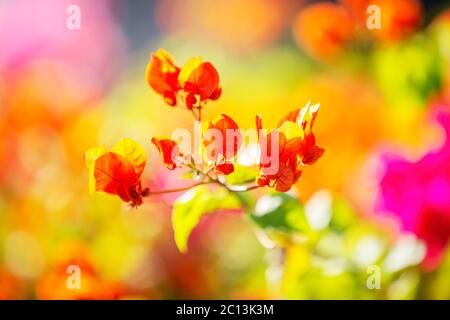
x=398, y=18
x=11, y=287
x=323, y=29
x=53, y=286
x=245, y=26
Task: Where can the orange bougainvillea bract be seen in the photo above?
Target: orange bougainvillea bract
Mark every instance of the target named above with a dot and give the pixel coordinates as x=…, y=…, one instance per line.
x=200, y=82
x=118, y=171
x=225, y=149
x=323, y=29
x=169, y=150
x=195, y=83
x=295, y=147
x=162, y=76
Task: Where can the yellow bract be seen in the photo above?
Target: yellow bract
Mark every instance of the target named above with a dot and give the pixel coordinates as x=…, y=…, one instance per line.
x=132, y=152
x=308, y=115
x=163, y=55
x=291, y=130
x=188, y=70
x=89, y=158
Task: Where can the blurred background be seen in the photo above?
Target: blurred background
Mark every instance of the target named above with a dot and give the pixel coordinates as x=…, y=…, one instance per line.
x=379, y=197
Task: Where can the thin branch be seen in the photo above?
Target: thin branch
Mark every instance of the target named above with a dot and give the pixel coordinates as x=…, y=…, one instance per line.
x=231, y=188
x=177, y=189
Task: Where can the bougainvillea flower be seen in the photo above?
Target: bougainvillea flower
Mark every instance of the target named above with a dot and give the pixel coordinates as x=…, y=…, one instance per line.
x=162, y=76
x=289, y=147
x=118, y=171
x=283, y=159
x=305, y=118
x=200, y=81
x=323, y=29
x=222, y=141
x=169, y=150
x=418, y=193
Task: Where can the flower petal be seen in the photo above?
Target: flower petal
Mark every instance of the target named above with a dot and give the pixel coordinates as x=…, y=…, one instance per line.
x=202, y=78
x=133, y=152
x=309, y=152
x=162, y=74
x=89, y=158
x=113, y=174
x=230, y=134
x=285, y=179
x=225, y=168
x=169, y=150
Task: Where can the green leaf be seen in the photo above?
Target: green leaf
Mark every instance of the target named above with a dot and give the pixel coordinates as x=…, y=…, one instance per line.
x=280, y=211
x=242, y=175
x=343, y=214
x=409, y=73
x=193, y=205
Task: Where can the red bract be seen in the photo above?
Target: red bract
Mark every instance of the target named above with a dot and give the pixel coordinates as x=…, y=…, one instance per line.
x=305, y=117
x=162, y=76
x=200, y=82
x=169, y=150
x=222, y=141
x=279, y=166
x=285, y=150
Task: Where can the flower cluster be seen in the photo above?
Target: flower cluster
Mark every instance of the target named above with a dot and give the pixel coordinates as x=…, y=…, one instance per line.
x=296, y=147
x=221, y=141
x=194, y=83
x=284, y=150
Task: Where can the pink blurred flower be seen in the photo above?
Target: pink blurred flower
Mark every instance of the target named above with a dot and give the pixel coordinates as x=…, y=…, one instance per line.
x=419, y=194
x=33, y=30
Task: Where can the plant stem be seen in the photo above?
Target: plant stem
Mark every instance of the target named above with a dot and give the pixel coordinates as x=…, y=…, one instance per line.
x=176, y=189
x=231, y=188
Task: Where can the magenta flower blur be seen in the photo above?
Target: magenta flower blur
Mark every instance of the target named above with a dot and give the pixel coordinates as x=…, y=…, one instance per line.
x=419, y=194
